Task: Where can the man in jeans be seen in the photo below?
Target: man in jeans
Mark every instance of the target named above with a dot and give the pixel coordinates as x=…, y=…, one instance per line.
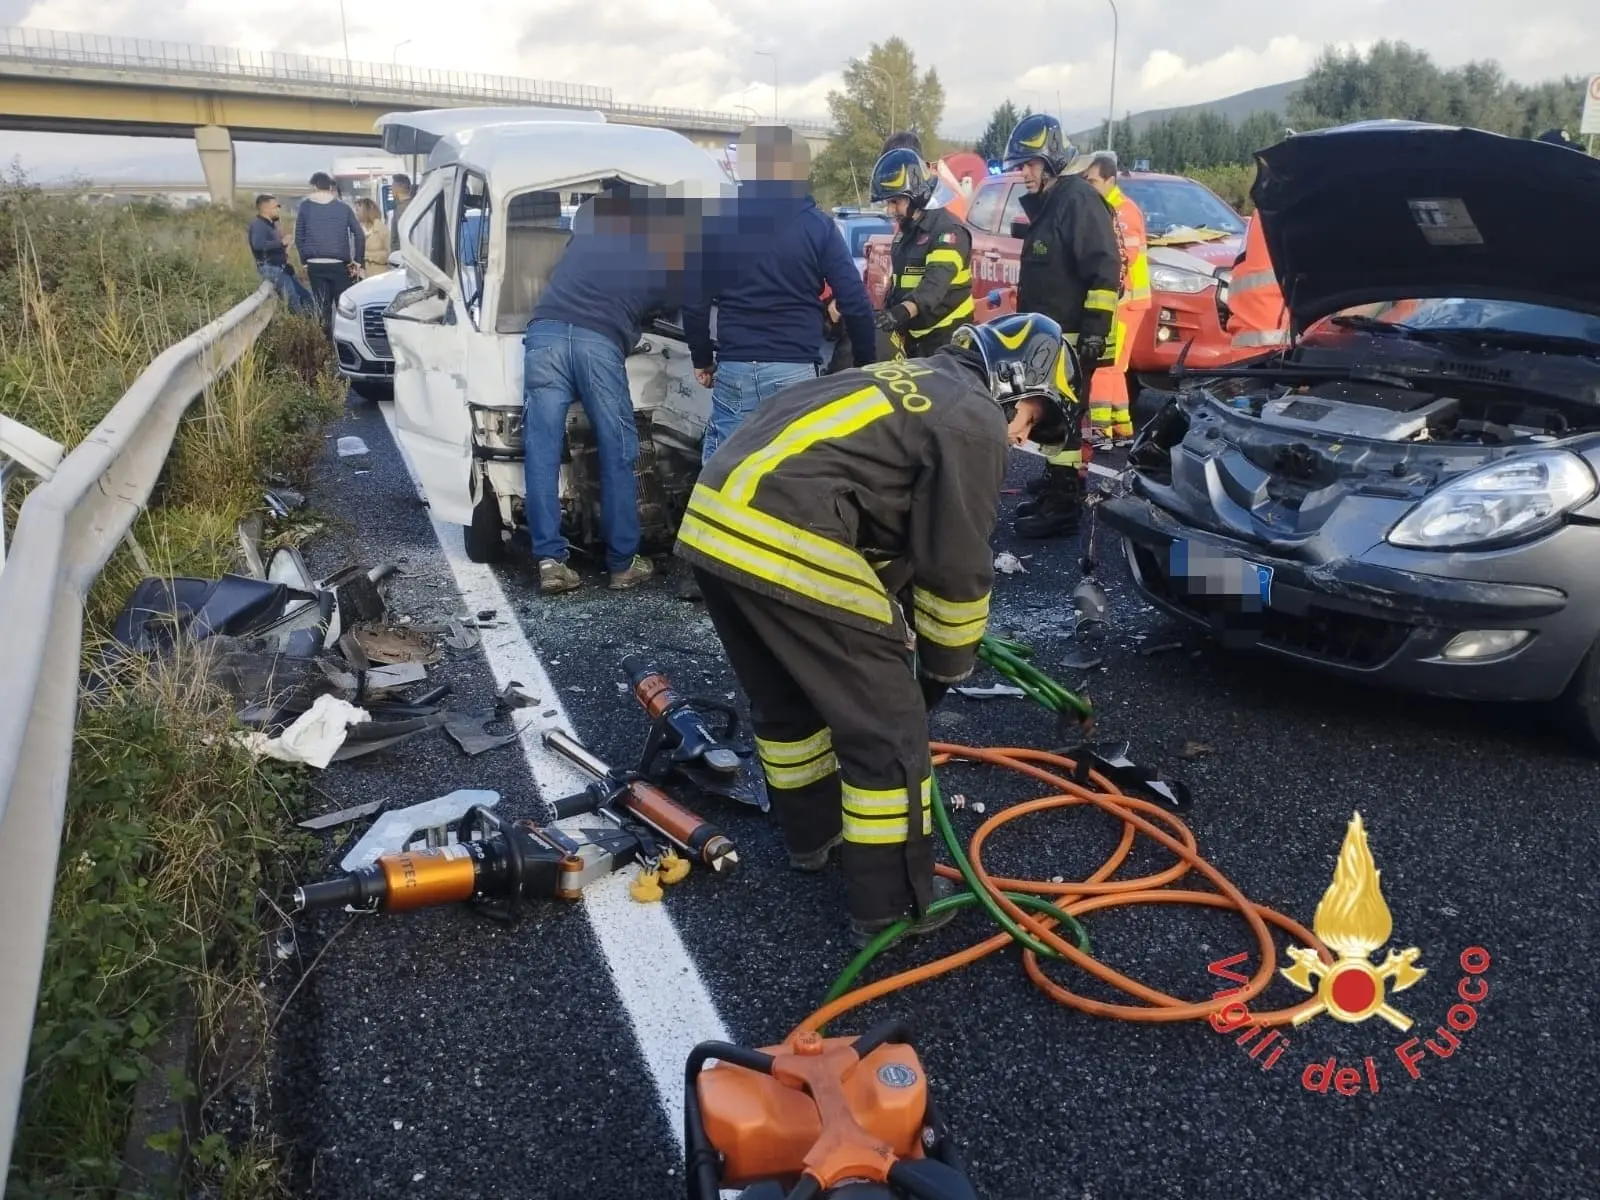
x=330, y=242
x=622, y=264
x=765, y=269
x=272, y=255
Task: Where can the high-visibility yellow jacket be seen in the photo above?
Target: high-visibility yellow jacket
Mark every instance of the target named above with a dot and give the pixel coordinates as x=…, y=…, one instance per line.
x=865, y=497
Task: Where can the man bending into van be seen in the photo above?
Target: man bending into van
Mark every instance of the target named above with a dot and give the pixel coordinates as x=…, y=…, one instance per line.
x=615, y=271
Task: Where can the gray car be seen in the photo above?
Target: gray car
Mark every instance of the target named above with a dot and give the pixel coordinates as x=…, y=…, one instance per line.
x=1408, y=493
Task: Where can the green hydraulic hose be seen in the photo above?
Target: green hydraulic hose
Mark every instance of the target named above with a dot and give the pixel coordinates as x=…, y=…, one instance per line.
x=1009, y=659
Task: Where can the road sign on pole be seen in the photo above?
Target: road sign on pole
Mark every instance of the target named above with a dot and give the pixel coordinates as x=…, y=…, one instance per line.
x=1591, y=108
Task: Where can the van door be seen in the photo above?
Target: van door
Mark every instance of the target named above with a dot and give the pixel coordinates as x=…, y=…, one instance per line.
x=429, y=328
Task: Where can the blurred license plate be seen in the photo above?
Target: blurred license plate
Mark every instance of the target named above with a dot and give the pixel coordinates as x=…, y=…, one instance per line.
x=1200, y=570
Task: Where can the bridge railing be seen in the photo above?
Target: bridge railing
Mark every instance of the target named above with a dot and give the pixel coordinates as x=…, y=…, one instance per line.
x=56, y=47
x=66, y=531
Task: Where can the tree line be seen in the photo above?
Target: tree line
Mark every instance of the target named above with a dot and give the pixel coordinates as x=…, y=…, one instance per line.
x=885, y=92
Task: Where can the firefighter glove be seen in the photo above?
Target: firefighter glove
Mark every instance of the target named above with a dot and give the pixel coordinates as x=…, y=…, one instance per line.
x=1090, y=350
x=894, y=318
x=932, y=691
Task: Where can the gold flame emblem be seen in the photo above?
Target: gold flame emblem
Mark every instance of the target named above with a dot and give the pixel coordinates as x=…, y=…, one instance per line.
x=1353, y=921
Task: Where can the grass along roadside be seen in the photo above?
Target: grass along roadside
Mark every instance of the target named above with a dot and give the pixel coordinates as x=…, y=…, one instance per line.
x=174, y=838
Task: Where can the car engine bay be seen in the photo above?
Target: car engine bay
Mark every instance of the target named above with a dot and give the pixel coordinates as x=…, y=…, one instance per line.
x=1472, y=413
x=1277, y=449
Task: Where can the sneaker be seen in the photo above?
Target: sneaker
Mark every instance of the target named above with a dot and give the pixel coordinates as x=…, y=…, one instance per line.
x=556, y=577
x=862, y=932
x=633, y=574
x=816, y=860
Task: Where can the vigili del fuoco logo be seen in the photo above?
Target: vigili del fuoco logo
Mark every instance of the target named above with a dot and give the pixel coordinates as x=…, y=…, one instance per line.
x=1354, y=922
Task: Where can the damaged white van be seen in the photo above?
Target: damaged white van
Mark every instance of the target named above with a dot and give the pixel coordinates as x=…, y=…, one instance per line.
x=482, y=235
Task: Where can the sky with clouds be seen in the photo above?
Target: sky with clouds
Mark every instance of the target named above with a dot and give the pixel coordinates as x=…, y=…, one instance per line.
x=705, y=53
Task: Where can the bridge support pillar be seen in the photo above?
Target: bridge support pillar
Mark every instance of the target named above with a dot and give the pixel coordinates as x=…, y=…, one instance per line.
x=216, y=159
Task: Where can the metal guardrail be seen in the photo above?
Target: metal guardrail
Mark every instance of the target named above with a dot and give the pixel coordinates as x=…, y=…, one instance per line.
x=66, y=532
x=47, y=46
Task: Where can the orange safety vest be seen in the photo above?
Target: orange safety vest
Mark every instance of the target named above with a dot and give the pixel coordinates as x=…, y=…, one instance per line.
x=1257, y=315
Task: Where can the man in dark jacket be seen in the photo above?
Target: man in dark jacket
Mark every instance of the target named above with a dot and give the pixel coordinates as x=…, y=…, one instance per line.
x=765, y=266
x=625, y=261
x=331, y=243
x=841, y=541
x=1071, y=271
x=271, y=253
x=930, y=295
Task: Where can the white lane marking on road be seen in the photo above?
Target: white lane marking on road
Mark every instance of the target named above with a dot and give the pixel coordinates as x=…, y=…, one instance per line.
x=656, y=979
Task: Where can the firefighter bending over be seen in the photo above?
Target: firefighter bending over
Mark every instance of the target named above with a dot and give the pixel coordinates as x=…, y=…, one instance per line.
x=930, y=295
x=841, y=542
x=1070, y=270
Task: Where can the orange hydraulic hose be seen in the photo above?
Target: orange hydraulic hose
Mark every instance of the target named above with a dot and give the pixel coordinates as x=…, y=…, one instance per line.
x=1096, y=892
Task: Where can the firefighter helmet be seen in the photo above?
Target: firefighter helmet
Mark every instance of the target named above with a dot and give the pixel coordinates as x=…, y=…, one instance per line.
x=1039, y=137
x=902, y=173
x=1025, y=354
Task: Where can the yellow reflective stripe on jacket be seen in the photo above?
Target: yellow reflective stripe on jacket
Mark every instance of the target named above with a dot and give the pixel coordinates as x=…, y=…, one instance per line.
x=882, y=817
x=1251, y=281
x=799, y=764
x=949, y=623
x=800, y=578
x=954, y=258
x=1100, y=299
x=958, y=314
x=789, y=540
x=838, y=419
x=1138, y=280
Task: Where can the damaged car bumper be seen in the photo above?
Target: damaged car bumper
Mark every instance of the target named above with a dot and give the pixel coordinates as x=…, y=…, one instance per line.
x=1454, y=636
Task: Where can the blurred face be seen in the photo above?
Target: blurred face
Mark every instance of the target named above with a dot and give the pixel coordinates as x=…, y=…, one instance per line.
x=270, y=210
x=1034, y=176
x=899, y=207
x=1100, y=183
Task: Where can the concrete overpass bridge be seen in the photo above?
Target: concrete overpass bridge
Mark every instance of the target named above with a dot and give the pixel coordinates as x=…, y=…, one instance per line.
x=83, y=83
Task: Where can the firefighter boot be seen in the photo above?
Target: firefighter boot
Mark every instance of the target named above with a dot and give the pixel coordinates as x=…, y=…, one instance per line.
x=1057, y=510
x=1054, y=479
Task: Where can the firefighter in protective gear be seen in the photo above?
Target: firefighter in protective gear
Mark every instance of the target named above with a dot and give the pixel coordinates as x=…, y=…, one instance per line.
x=1257, y=316
x=1108, y=390
x=930, y=296
x=1071, y=271
x=841, y=542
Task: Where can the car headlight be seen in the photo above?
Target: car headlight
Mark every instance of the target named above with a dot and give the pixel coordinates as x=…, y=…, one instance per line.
x=1512, y=500
x=347, y=307
x=1176, y=279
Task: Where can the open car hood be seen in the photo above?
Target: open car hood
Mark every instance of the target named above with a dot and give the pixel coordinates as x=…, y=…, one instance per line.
x=1399, y=210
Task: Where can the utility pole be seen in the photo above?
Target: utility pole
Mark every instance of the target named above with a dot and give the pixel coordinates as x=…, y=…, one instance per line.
x=349, y=71
x=1111, y=110
x=774, y=58
x=888, y=82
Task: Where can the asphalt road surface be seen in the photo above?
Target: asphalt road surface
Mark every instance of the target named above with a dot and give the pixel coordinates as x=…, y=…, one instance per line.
x=435, y=1054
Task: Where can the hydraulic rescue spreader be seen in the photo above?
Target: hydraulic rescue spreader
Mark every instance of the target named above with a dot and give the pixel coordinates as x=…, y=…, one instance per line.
x=498, y=864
